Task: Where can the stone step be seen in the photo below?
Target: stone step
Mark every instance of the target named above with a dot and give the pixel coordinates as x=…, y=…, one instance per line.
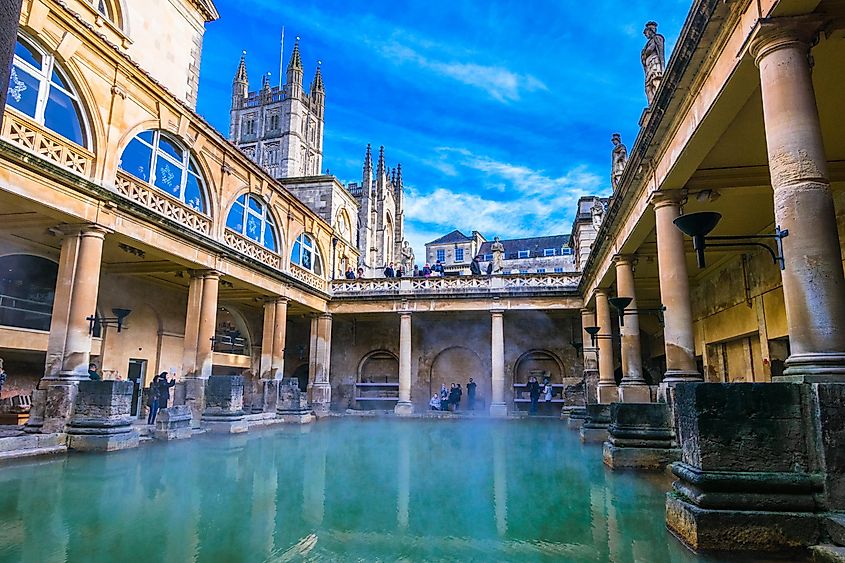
x=827, y=553
x=31, y=441
x=835, y=527
x=32, y=452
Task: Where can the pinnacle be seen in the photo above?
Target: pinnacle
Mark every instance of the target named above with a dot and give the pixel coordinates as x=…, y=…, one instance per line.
x=240, y=75
x=295, y=59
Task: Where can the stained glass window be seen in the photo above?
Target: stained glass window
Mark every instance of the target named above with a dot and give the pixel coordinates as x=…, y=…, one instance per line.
x=306, y=254
x=250, y=217
x=161, y=161
x=39, y=88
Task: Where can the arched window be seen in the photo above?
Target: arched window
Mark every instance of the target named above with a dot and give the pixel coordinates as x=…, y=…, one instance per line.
x=27, y=289
x=251, y=218
x=39, y=87
x=306, y=254
x=160, y=160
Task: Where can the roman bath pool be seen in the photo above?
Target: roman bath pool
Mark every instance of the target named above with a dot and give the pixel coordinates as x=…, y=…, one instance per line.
x=339, y=490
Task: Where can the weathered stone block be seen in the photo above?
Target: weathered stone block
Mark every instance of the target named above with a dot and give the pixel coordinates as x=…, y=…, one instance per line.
x=101, y=418
x=640, y=437
x=829, y=404
x=748, y=479
x=596, y=423
x=195, y=399
x=36, y=412
x=634, y=394
x=58, y=406
x=576, y=418
x=608, y=394
x=224, y=410
x=292, y=406
x=321, y=398
x=173, y=423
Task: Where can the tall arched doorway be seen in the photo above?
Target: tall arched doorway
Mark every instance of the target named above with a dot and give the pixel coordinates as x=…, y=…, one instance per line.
x=457, y=365
x=377, y=384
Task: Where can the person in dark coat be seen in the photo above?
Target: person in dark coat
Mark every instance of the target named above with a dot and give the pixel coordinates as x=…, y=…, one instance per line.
x=453, y=398
x=153, y=400
x=471, y=394
x=490, y=268
x=350, y=273
x=460, y=394
x=389, y=272
x=475, y=267
x=534, y=393
x=93, y=374
x=164, y=390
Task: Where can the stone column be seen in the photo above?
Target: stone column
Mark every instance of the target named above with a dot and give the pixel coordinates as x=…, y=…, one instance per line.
x=674, y=292
x=321, y=390
x=83, y=303
x=498, y=408
x=69, y=342
x=633, y=388
x=607, y=390
x=813, y=282
x=404, y=407
x=267, y=333
x=280, y=326
x=207, y=323
x=192, y=322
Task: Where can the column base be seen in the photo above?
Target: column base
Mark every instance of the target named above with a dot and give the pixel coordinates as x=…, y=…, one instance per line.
x=403, y=408
x=813, y=368
x=58, y=407
x=225, y=426
x=594, y=429
x=295, y=417
x=643, y=459
x=103, y=442
x=576, y=419
x=640, y=437
x=173, y=423
x=634, y=393
x=608, y=394
x=499, y=410
x=672, y=378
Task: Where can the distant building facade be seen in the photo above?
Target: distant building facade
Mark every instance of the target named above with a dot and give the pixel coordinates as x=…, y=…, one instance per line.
x=533, y=255
x=281, y=129
x=454, y=250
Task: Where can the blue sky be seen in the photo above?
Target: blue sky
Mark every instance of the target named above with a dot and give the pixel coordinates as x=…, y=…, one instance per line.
x=500, y=112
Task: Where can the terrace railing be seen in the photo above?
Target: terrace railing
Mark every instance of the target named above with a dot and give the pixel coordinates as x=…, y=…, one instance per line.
x=559, y=283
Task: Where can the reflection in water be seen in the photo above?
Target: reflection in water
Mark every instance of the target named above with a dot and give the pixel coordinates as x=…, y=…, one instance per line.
x=343, y=489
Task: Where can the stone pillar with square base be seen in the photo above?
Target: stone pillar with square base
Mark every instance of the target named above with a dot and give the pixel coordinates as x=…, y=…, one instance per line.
x=749, y=478
x=498, y=408
x=641, y=436
x=173, y=423
x=813, y=281
x=633, y=388
x=101, y=418
x=321, y=343
x=272, y=364
x=200, y=323
x=594, y=429
x=404, y=407
x=293, y=406
x=224, y=405
x=607, y=390
x=69, y=342
x=678, y=336
x=578, y=414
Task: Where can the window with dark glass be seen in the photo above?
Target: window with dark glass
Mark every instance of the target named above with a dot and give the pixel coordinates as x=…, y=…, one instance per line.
x=161, y=161
x=27, y=290
x=39, y=87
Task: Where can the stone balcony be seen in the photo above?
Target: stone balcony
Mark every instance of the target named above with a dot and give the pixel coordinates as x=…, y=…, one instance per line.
x=508, y=285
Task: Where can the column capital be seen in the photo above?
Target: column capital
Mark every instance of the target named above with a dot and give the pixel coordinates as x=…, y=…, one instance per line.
x=773, y=34
x=665, y=198
x=204, y=274
x=587, y=311
x=620, y=259
x=324, y=316
x=85, y=230
x=404, y=313
x=601, y=291
x=276, y=300
x=498, y=312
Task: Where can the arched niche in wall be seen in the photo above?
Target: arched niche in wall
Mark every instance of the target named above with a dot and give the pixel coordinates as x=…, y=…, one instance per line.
x=540, y=364
x=379, y=366
x=456, y=365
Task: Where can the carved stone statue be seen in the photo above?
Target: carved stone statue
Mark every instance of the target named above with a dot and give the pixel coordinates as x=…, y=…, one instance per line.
x=653, y=59
x=618, y=158
x=498, y=250
x=597, y=214
x=407, y=257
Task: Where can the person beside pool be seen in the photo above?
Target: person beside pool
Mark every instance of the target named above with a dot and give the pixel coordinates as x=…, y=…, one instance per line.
x=434, y=403
x=471, y=394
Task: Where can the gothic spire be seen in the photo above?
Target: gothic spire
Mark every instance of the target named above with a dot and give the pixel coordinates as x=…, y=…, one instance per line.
x=240, y=75
x=393, y=177
x=398, y=183
x=295, y=59
x=265, y=82
x=368, y=163
x=380, y=171
x=294, y=73
x=317, y=83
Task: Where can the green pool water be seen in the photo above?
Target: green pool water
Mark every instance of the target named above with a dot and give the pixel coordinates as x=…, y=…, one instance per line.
x=340, y=490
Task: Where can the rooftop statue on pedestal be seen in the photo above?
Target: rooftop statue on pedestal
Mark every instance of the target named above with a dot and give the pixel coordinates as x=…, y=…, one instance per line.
x=619, y=157
x=653, y=59
x=498, y=250
x=407, y=256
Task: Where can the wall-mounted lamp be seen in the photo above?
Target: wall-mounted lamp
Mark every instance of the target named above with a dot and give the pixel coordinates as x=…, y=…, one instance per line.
x=95, y=323
x=698, y=226
x=593, y=331
x=621, y=305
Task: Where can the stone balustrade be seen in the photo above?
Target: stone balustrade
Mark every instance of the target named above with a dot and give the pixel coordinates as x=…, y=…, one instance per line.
x=162, y=203
x=561, y=283
x=252, y=249
x=24, y=132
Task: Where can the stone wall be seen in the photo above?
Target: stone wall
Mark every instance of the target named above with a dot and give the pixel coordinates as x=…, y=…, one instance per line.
x=453, y=347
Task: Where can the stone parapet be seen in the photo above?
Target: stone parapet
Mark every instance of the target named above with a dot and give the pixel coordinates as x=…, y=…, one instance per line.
x=640, y=437
x=596, y=423
x=292, y=406
x=750, y=477
x=173, y=423
x=224, y=404
x=101, y=418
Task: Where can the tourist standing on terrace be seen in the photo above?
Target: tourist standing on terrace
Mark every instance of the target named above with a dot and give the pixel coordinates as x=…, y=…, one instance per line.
x=93, y=375
x=438, y=268
x=350, y=273
x=534, y=393
x=389, y=272
x=416, y=271
x=475, y=268
x=360, y=273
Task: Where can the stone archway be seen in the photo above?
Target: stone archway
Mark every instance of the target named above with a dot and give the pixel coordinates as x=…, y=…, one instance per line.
x=539, y=363
x=456, y=365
